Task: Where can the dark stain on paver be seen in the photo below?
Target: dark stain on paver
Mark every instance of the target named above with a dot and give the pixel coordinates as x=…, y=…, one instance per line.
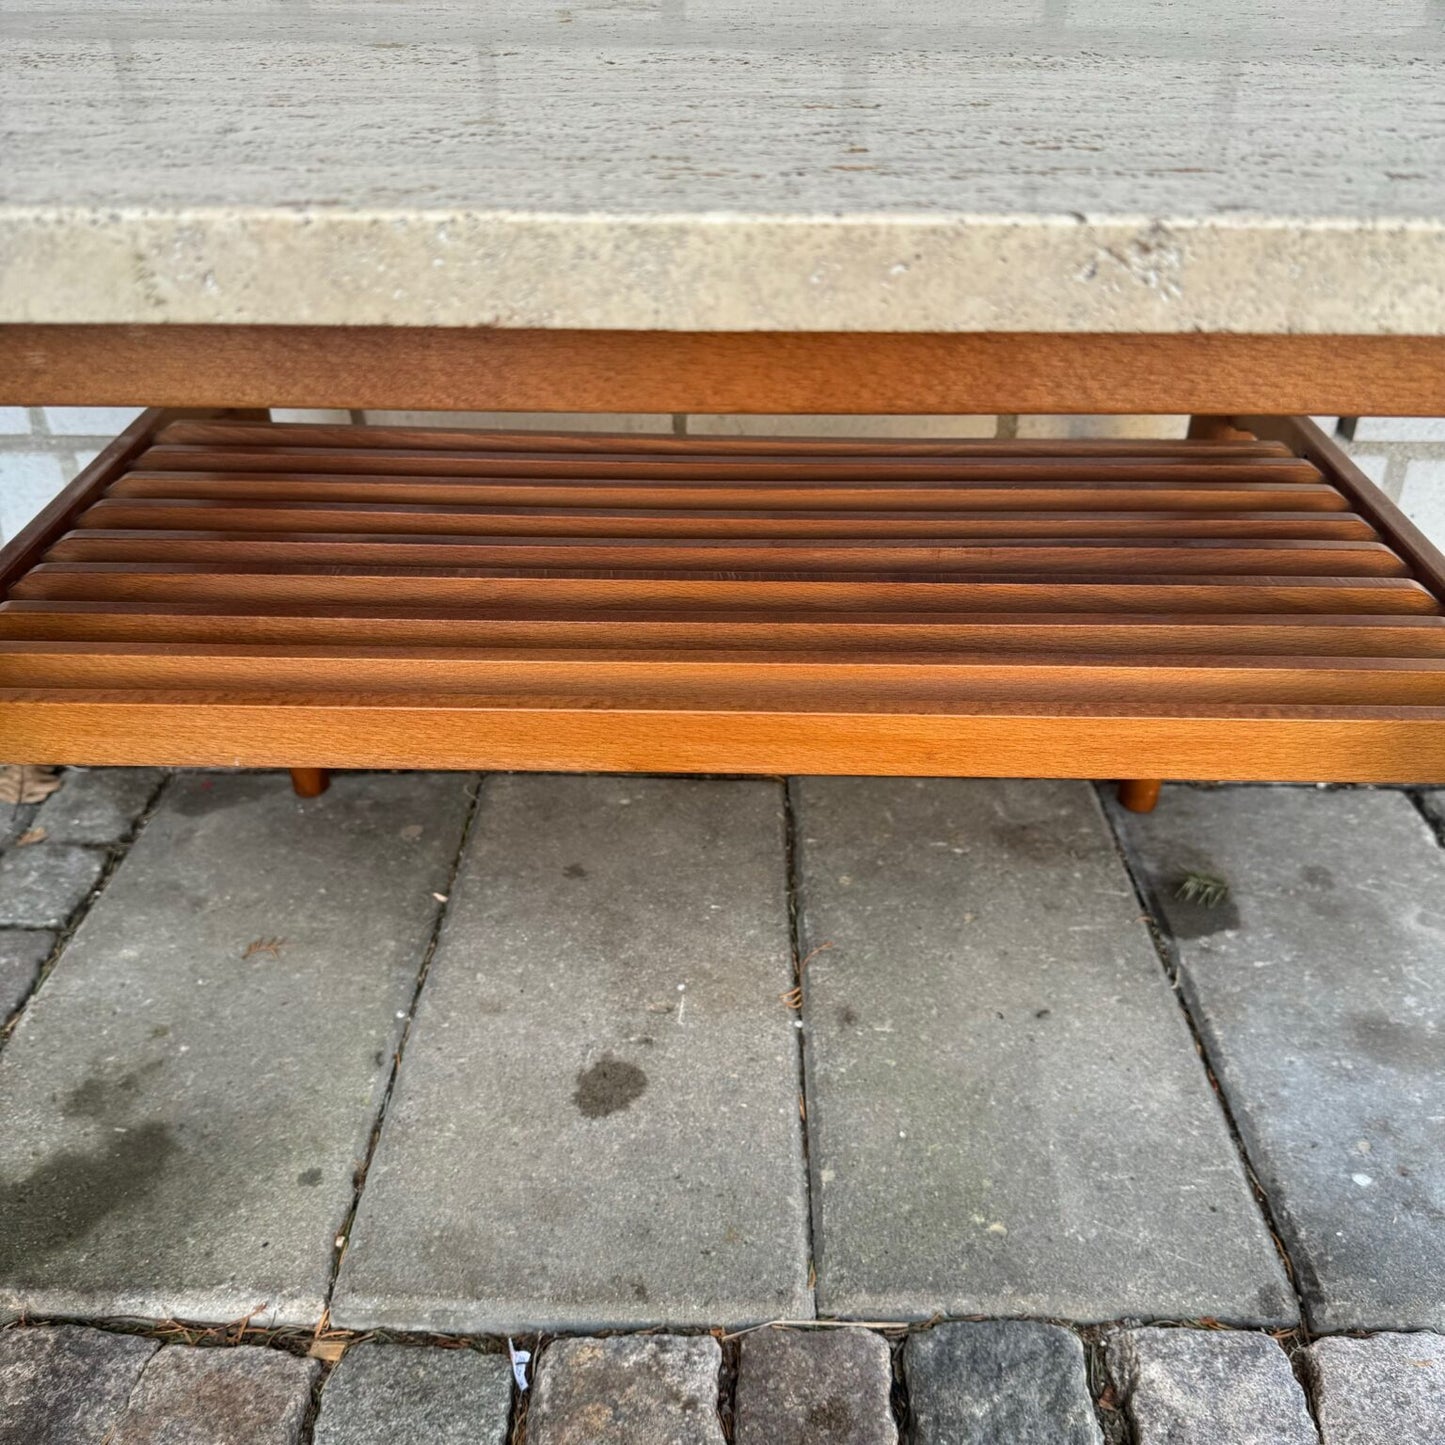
x=846, y=1017
x=1313, y=876
x=203, y=797
x=1397, y=1044
x=574, y=870
x=1037, y=842
x=106, y=1098
x=309, y=1177
x=74, y=1190
x=611, y=1084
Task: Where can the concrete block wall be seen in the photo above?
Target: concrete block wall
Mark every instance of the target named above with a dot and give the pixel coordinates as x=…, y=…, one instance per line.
x=42, y=448
x=1405, y=457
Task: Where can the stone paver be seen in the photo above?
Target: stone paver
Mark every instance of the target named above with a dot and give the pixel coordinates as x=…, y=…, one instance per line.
x=1208, y=1387
x=190, y=1092
x=1007, y=1111
x=1319, y=986
x=394, y=1395
x=65, y=1385
x=244, y=1395
x=22, y=951
x=628, y=1390
x=998, y=1381
x=820, y=1387
x=98, y=805
x=597, y=1120
x=42, y=884
x=1386, y=1390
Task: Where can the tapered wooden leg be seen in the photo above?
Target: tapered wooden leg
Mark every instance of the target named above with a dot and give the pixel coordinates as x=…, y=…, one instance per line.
x=1139, y=795
x=310, y=782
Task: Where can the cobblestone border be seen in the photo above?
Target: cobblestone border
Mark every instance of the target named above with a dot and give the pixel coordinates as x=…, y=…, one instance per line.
x=950, y=1383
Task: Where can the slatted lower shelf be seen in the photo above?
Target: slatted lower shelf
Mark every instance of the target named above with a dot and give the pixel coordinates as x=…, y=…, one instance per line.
x=229, y=591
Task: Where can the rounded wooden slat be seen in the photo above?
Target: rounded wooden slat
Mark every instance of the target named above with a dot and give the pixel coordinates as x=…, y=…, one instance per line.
x=1019, y=465
x=750, y=679
x=707, y=554
x=153, y=513
x=1065, y=494
x=262, y=587
x=1280, y=635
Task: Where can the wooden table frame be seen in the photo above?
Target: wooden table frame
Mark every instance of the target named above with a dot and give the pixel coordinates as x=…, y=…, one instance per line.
x=1224, y=381
x=444, y=369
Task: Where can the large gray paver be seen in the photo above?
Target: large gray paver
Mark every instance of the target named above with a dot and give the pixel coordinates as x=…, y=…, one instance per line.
x=392, y=1395
x=65, y=1385
x=98, y=805
x=1386, y=1390
x=1319, y=986
x=22, y=951
x=596, y=1123
x=1208, y=1387
x=998, y=1382
x=1007, y=1111
x=816, y=1387
x=42, y=884
x=182, y=1122
x=244, y=1395
x=629, y=1390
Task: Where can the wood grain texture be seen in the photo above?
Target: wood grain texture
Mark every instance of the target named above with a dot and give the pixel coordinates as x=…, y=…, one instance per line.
x=477, y=369
x=1378, y=745
x=695, y=606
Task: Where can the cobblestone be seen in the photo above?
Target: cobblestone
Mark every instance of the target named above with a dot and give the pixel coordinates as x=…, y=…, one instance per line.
x=1208, y=1387
x=66, y=1385
x=1386, y=1390
x=823, y=1387
x=393, y=1395
x=628, y=1390
x=999, y=1381
x=240, y=1396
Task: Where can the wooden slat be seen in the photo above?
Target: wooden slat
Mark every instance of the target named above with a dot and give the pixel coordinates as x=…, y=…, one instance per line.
x=746, y=680
x=1067, y=494
x=713, y=555
x=264, y=588
x=640, y=466
x=284, y=516
x=1274, y=634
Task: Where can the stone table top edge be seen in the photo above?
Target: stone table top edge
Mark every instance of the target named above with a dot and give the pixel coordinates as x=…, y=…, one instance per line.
x=704, y=271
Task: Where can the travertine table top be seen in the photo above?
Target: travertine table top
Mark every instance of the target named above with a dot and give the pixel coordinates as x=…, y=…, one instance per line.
x=1029, y=165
